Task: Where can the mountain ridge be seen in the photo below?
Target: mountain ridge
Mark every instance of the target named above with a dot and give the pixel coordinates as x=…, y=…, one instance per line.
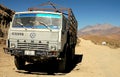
x=99, y=29
x=102, y=33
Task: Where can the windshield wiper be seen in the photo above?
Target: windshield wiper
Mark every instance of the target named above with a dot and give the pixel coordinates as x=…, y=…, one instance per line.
x=45, y=25
x=20, y=24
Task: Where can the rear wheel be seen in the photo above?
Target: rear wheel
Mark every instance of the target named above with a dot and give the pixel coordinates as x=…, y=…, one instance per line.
x=73, y=52
x=19, y=62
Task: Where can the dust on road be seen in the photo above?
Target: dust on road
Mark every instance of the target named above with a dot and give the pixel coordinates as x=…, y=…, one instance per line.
x=97, y=61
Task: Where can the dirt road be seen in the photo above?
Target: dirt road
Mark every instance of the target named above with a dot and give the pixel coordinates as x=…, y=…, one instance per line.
x=97, y=61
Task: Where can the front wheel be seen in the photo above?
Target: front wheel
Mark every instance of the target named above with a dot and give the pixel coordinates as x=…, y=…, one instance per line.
x=63, y=63
x=19, y=62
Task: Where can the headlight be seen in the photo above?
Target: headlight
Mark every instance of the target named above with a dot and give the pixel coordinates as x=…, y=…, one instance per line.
x=53, y=48
x=12, y=45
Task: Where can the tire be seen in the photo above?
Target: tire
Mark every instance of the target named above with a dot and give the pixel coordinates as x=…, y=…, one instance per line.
x=73, y=52
x=62, y=63
x=19, y=63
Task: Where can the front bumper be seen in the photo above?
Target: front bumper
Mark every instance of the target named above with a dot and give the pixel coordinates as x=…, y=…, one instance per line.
x=21, y=52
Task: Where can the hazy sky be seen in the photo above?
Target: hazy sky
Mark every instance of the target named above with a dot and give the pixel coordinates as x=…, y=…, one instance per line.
x=87, y=12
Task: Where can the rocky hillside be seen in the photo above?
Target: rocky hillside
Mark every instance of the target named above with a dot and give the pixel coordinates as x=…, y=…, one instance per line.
x=5, y=18
x=100, y=33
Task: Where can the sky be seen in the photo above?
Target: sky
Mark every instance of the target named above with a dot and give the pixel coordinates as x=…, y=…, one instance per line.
x=87, y=12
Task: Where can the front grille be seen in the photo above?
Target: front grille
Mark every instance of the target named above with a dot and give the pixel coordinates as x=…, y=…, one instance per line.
x=33, y=46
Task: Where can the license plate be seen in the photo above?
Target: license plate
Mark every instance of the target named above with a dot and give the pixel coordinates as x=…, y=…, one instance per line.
x=29, y=52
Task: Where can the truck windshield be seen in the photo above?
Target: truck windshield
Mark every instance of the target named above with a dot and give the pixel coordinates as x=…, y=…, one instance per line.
x=37, y=21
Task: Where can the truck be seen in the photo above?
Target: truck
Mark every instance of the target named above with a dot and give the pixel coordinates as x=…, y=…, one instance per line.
x=43, y=35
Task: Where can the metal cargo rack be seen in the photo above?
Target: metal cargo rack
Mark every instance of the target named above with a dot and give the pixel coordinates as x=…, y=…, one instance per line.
x=66, y=11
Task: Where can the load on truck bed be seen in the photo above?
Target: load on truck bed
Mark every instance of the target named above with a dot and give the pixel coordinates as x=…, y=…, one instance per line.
x=43, y=35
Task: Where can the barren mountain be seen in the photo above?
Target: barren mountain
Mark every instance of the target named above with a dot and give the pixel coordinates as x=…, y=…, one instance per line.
x=102, y=32
x=100, y=29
